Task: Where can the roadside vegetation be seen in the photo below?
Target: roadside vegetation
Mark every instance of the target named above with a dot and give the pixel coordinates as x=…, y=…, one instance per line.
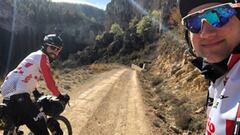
x=174, y=90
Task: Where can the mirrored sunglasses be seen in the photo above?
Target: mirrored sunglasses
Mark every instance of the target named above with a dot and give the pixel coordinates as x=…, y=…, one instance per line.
x=217, y=16
x=55, y=48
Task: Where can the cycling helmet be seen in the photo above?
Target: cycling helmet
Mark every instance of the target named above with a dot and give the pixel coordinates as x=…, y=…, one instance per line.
x=52, y=39
x=186, y=5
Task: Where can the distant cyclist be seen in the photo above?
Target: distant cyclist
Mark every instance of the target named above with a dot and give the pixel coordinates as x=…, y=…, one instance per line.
x=22, y=81
x=213, y=35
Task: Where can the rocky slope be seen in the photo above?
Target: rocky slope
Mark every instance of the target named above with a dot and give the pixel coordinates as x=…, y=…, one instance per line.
x=174, y=89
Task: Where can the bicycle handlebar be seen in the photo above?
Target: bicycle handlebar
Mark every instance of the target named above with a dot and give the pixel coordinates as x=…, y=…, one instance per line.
x=51, y=105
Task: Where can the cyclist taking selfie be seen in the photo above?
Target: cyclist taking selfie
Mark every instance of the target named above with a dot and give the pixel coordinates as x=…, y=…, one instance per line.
x=212, y=33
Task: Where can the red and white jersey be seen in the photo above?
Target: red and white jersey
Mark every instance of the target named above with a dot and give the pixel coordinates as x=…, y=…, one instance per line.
x=24, y=79
x=226, y=94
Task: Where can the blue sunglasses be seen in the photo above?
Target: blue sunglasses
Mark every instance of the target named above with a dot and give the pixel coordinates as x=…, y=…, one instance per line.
x=216, y=16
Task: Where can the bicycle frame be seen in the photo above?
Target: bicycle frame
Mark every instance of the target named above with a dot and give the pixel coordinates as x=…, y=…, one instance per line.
x=14, y=130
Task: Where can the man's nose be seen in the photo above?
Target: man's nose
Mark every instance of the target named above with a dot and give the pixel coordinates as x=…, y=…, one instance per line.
x=207, y=30
x=57, y=52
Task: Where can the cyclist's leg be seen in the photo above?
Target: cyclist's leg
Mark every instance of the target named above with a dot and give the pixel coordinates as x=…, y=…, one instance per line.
x=35, y=121
x=31, y=116
x=9, y=116
x=54, y=126
x=37, y=127
x=9, y=125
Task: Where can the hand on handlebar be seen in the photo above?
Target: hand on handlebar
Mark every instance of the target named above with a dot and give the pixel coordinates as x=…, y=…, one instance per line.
x=37, y=94
x=64, y=98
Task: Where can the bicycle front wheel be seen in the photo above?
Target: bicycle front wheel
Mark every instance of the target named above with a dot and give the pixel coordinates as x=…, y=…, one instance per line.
x=64, y=125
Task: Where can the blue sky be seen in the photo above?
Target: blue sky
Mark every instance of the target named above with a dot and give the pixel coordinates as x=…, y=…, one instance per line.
x=97, y=3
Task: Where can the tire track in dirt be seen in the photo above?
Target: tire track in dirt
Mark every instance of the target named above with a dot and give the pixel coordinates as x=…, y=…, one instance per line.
x=110, y=104
x=85, y=102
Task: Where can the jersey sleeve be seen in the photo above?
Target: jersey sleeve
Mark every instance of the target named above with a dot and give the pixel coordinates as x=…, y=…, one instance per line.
x=47, y=75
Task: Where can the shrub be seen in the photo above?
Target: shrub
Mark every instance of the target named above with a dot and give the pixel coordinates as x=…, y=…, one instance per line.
x=156, y=81
x=116, y=29
x=144, y=25
x=182, y=117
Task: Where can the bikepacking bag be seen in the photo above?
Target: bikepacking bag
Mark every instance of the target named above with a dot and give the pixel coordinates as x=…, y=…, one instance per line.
x=50, y=105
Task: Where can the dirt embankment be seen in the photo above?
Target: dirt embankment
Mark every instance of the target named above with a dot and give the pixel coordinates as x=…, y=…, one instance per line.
x=175, y=91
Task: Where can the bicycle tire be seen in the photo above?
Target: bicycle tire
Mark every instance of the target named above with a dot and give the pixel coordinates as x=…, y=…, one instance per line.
x=63, y=119
x=60, y=119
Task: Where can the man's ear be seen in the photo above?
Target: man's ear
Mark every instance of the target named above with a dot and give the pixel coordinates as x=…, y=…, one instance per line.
x=238, y=12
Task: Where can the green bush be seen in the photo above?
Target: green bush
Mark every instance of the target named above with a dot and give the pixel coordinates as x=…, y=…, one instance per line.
x=116, y=29
x=144, y=25
x=99, y=37
x=133, y=23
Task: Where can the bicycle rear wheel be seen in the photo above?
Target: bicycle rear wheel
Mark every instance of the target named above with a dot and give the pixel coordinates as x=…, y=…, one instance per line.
x=64, y=125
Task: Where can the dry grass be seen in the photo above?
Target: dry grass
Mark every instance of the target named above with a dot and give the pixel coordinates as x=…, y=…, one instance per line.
x=67, y=77
x=156, y=81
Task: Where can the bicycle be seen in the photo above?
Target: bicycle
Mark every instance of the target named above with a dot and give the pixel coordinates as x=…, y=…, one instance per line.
x=43, y=102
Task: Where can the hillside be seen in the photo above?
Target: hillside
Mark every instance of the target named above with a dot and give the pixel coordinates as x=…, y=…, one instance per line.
x=123, y=11
x=35, y=18
x=174, y=89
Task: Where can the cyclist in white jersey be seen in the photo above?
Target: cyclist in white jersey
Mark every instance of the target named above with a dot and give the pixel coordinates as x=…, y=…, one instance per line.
x=212, y=33
x=22, y=81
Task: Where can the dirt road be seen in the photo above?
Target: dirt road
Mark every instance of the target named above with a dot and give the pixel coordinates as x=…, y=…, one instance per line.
x=108, y=104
